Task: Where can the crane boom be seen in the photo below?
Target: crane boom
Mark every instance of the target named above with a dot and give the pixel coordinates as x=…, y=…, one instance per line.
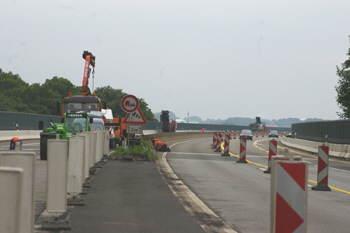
x=89, y=61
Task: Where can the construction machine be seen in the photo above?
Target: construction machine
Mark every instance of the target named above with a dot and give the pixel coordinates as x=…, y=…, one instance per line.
x=71, y=125
x=84, y=102
x=87, y=102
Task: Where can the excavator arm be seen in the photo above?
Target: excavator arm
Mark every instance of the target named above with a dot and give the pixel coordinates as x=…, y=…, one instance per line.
x=89, y=61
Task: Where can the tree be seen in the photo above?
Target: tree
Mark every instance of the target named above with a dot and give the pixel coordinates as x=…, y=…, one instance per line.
x=343, y=88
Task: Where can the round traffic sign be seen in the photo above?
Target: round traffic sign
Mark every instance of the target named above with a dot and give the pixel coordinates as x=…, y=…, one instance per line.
x=130, y=103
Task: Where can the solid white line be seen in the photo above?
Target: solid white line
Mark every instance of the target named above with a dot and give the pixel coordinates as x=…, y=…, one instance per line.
x=193, y=196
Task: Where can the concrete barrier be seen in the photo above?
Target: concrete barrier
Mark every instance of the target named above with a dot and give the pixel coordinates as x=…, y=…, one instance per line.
x=336, y=150
x=26, y=161
x=56, y=200
x=12, y=179
x=75, y=165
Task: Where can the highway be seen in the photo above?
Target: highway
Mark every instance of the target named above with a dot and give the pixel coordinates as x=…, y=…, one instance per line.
x=240, y=193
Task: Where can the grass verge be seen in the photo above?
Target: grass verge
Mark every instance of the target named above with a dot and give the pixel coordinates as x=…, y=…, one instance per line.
x=142, y=151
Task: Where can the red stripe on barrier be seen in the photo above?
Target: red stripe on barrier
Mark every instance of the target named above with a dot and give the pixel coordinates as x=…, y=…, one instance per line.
x=287, y=220
x=297, y=173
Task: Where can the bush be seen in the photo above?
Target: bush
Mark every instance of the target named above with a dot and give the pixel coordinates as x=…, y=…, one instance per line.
x=142, y=151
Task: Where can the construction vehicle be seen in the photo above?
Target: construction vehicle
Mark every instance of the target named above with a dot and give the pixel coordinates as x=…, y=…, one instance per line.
x=71, y=125
x=90, y=103
x=83, y=102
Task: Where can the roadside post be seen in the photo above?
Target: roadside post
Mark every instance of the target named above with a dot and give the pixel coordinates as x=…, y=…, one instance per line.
x=288, y=196
x=227, y=144
x=272, y=152
x=242, y=151
x=134, y=116
x=322, y=170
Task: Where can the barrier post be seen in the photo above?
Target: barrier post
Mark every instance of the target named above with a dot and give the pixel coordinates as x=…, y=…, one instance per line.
x=242, y=151
x=11, y=183
x=288, y=196
x=93, y=138
x=56, y=198
x=272, y=152
x=75, y=169
x=26, y=161
x=227, y=144
x=322, y=173
x=218, y=142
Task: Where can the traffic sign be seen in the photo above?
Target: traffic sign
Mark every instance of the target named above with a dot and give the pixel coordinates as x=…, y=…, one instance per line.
x=134, y=129
x=135, y=118
x=129, y=103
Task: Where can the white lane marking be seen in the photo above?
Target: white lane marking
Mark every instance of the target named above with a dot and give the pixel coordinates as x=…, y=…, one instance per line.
x=227, y=228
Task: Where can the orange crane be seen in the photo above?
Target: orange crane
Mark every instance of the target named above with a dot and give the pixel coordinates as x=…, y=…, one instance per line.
x=89, y=61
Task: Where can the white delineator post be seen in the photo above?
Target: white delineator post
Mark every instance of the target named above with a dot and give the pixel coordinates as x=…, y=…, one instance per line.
x=11, y=183
x=56, y=197
x=322, y=172
x=272, y=152
x=26, y=161
x=288, y=196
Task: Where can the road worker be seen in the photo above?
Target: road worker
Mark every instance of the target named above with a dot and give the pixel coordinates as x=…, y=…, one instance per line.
x=13, y=143
x=159, y=145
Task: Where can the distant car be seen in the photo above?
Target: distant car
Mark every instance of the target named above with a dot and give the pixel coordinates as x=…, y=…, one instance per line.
x=246, y=133
x=289, y=135
x=273, y=134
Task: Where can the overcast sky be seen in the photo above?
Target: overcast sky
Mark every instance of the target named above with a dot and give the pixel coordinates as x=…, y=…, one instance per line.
x=213, y=59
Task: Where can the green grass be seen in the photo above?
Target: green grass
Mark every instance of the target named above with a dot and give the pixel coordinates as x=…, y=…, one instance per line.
x=143, y=151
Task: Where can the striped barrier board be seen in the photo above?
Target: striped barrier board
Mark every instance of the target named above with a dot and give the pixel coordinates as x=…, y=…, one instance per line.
x=272, y=152
x=322, y=170
x=288, y=196
x=242, y=151
x=227, y=144
x=218, y=145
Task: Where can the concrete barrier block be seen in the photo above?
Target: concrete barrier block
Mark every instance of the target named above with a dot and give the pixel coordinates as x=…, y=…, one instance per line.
x=26, y=161
x=75, y=165
x=11, y=183
x=57, y=153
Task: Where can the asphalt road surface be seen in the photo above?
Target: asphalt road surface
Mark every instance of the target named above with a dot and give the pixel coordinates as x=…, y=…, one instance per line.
x=240, y=193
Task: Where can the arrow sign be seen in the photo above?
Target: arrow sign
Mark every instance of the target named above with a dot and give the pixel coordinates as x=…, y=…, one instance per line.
x=135, y=118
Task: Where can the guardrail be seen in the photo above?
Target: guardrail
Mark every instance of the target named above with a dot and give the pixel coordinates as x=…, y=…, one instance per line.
x=336, y=150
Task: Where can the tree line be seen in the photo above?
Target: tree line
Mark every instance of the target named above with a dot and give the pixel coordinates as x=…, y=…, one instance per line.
x=18, y=96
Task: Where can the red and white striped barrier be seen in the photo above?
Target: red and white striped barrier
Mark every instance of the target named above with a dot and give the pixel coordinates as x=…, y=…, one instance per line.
x=215, y=140
x=227, y=144
x=272, y=152
x=242, y=151
x=288, y=196
x=322, y=174
x=218, y=142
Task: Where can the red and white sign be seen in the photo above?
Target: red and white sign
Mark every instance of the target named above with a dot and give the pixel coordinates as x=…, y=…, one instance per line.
x=288, y=196
x=129, y=103
x=135, y=118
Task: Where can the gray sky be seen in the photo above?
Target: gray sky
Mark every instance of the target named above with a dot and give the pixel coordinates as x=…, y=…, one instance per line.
x=215, y=59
